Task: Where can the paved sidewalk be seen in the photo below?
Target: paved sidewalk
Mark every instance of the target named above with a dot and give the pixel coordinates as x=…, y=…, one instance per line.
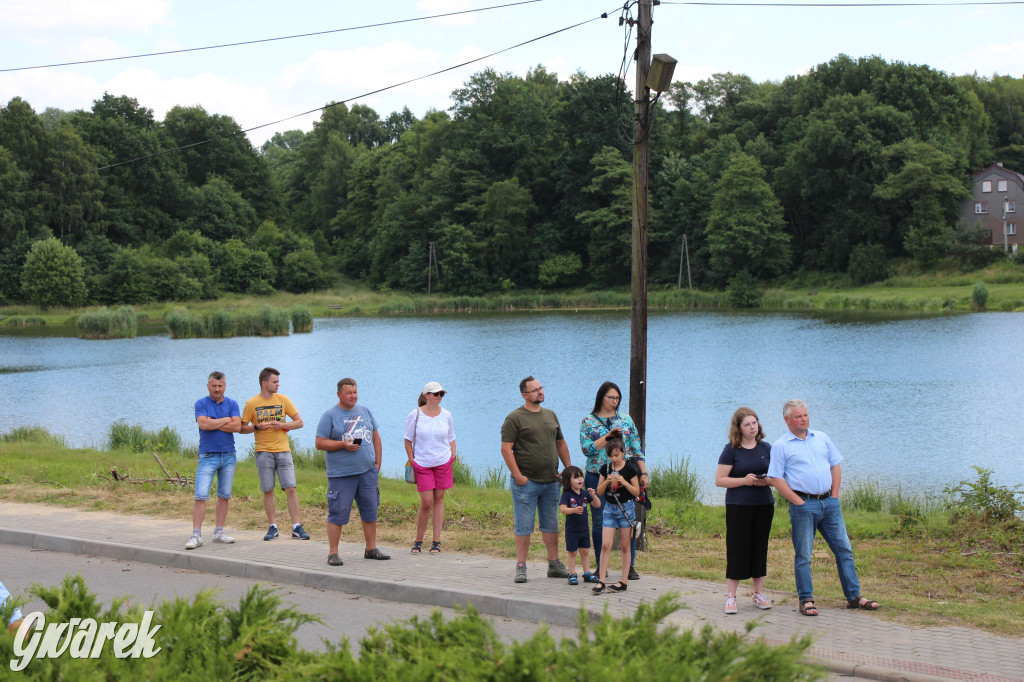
x=848, y=642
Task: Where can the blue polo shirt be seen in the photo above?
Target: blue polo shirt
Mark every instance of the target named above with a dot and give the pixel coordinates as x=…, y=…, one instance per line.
x=216, y=441
x=806, y=465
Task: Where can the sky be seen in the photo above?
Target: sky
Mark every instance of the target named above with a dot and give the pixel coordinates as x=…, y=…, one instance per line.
x=265, y=82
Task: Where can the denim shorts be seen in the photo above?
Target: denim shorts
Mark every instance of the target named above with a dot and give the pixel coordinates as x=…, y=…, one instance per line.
x=269, y=463
x=614, y=518
x=220, y=463
x=342, y=490
x=531, y=500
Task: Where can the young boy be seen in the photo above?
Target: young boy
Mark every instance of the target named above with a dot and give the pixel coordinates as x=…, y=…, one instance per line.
x=577, y=530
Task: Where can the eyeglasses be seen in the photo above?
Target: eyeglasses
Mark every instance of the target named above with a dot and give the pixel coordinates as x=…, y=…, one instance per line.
x=614, y=397
x=439, y=394
x=539, y=388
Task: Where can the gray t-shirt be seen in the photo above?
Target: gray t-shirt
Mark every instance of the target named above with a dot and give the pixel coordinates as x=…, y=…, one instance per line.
x=340, y=424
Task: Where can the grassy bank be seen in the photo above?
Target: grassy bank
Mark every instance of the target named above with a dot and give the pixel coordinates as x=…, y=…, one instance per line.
x=927, y=560
x=934, y=292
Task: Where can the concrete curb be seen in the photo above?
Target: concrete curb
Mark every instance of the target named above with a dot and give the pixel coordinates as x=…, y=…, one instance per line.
x=385, y=589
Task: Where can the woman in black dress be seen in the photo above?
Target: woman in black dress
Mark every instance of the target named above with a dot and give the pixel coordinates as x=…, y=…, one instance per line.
x=749, y=506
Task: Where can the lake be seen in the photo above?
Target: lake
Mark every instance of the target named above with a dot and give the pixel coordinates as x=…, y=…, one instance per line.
x=910, y=401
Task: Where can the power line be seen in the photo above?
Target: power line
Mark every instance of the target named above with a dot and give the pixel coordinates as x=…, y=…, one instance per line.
x=311, y=111
x=844, y=4
x=269, y=40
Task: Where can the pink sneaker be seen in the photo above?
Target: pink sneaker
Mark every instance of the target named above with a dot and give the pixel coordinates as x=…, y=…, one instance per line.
x=761, y=601
x=730, y=605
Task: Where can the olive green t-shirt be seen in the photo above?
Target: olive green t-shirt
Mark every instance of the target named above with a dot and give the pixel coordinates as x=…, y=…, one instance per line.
x=533, y=436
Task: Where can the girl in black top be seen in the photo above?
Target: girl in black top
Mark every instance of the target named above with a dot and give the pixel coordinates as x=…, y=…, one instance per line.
x=619, y=483
x=749, y=506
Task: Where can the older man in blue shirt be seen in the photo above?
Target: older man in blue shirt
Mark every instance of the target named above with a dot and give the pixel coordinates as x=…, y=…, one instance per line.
x=805, y=469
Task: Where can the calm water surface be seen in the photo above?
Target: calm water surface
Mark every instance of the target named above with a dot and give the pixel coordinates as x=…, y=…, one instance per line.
x=912, y=401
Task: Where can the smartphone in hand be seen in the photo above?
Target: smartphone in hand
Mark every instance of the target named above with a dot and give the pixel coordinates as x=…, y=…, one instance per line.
x=357, y=441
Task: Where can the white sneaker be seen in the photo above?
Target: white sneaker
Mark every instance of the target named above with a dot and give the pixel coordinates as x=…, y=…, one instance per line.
x=730, y=605
x=761, y=601
x=193, y=542
x=223, y=537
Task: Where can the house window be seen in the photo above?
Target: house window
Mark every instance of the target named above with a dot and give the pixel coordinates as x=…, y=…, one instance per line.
x=980, y=207
x=1011, y=206
x=1011, y=228
x=986, y=186
x=1001, y=185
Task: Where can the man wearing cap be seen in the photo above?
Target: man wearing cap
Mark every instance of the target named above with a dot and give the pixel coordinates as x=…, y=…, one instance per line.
x=347, y=433
x=805, y=470
x=532, y=445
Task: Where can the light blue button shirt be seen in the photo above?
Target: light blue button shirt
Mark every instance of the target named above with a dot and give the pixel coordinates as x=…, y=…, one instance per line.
x=806, y=465
x=4, y=595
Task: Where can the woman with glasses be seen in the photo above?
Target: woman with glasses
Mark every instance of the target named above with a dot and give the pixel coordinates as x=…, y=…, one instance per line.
x=606, y=423
x=430, y=447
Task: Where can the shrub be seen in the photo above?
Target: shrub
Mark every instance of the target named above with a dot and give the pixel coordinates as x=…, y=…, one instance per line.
x=108, y=323
x=979, y=296
x=984, y=499
x=560, y=270
x=53, y=274
x=462, y=474
x=271, y=321
x=302, y=319
x=744, y=291
x=496, y=477
x=302, y=271
x=868, y=263
x=676, y=480
x=184, y=324
x=220, y=325
x=135, y=438
x=32, y=434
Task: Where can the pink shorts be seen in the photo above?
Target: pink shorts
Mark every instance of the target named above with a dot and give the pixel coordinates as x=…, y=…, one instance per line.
x=434, y=478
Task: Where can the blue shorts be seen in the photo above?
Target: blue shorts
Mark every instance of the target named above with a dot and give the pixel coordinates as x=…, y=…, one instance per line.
x=223, y=465
x=532, y=500
x=577, y=539
x=342, y=490
x=614, y=518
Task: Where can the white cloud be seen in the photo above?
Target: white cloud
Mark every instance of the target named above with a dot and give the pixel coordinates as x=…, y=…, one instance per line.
x=994, y=58
x=73, y=16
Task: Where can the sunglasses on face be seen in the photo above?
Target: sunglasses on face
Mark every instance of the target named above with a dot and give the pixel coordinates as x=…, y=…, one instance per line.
x=439, y=394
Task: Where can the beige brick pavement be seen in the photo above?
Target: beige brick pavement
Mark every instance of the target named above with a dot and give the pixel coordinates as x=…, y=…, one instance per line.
x=847, y=641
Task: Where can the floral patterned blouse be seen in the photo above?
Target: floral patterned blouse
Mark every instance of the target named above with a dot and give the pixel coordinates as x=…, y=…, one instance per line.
x=594, y=428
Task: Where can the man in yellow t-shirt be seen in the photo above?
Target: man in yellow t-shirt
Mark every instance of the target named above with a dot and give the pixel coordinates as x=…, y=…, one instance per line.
x=265, y=416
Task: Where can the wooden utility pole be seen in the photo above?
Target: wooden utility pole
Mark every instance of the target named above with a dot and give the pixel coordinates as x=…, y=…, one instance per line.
x=638, y=316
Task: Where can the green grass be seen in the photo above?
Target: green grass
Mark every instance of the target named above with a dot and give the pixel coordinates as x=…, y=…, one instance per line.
x=302, y=319
x=135, y=438
x=676, y=480
x=107, y=323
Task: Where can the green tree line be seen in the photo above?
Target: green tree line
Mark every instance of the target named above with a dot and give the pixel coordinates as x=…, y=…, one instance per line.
x=524, y=182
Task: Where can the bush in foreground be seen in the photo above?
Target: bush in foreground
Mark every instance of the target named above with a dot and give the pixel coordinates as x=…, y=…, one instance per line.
x=202, y=639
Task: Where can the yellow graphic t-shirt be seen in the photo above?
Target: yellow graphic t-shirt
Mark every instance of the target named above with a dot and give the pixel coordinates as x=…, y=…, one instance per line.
x=257, y=411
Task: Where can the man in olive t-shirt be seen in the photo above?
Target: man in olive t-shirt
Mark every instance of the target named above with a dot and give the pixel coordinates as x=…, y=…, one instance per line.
x=531, y=445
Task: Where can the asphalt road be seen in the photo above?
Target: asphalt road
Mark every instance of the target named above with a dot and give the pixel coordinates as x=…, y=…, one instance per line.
x=344, y=614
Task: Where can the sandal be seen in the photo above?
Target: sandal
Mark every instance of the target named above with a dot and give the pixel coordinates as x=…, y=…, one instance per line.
x=598, y=588
x=335, y=560
x=435, y=547
x=375, y=554
x=807, y=608
x=863, y=603
x=573, y=580
x=618, y=587
x=589, y=577
x=417, y=547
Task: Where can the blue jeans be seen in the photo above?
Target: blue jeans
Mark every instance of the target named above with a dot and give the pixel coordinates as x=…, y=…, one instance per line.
x=220, y=463
x=590, y=480
x=532, y=500
x=826, y=517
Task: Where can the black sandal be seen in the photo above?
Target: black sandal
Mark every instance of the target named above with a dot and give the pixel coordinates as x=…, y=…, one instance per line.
x=375, y=554
x=618, y=587
x=417, y=547
x=598, y=588
x=335, y=560
x=435, y=547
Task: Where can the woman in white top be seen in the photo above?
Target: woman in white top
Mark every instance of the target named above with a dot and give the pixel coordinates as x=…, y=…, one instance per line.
x=430, y=446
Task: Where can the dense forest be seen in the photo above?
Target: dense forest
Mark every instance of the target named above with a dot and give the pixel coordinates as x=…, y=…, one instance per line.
x=524, y=182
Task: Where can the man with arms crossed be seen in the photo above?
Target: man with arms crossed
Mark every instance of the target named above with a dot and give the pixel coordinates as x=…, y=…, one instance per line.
x=347, y=433
x=532, y=445
x=264, y=415
x=219, y=421
x=805, y=470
